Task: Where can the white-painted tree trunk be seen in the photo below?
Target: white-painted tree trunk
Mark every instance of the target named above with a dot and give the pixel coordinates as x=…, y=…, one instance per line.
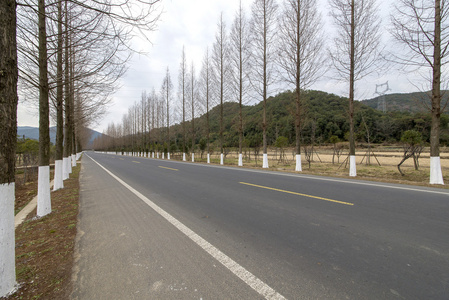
x=436, y=175
x=240, y=160
x=73, y=160
x=221, y=159
x=352, y=166
x=183, y=157
x=59, y=182
x=7, y=239
x=65, y=168
x=208, y=158
x=152, y=154
x=298, y=167
x=163, y=155
x=43, y=191
x=168, y=155
x=69, y=164
x=193, y=157
x=157, y=154
x=265, y=161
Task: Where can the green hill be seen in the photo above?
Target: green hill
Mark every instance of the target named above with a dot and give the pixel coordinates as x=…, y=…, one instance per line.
x=323, y=115
x=411, y=102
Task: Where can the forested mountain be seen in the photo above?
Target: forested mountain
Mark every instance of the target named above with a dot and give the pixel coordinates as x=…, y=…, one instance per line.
x=411, y=102
x=324, y=115
x=324, y=119
x=27, y=132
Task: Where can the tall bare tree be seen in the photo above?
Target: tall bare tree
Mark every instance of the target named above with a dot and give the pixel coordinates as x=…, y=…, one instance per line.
x=193, y=103
x=43, y=189
x=300, y=54
x=264, y=25
x=422, y=26
x=166, y=91
x=220, y=60
x=205, y=91
x=182, y=91
x=240, y=40
x=356, y=50
x=58, y=177
x=8, y=141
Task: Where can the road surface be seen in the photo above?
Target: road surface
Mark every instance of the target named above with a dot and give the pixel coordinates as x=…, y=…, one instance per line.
x=158, y=229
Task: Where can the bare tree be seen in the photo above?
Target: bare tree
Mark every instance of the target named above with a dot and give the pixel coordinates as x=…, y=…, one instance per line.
x=58, y=177
x=193, y=103
x=152, y=100
x=43, y=191
x=240, y=41
x=356, y=50
x=300, y=54
x=205, y=91
x=166, y=92
x=8, y=141
x=263, y=24
x=220, y=60
x=422, y=26
x=182, y=91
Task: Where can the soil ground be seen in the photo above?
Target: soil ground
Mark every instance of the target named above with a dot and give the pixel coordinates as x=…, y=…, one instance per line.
x=44, y=246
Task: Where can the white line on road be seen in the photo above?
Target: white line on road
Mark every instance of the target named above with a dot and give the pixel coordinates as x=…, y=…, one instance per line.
x=255, y=283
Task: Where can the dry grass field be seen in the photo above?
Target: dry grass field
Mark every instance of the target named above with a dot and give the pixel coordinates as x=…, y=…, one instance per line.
x=381, y=165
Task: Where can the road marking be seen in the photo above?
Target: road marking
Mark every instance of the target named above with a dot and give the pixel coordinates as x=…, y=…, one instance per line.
x=295, y=193
x=137, y=162
x=168, y=168
x=255, y=283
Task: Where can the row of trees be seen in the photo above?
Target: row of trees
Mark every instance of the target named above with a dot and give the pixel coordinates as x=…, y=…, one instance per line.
x=278, y=45
x=69, y=54
x=325, y=122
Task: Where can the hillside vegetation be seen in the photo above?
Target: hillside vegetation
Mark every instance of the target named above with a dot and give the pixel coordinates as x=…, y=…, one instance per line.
x=411, y=102
x=324, y=120
x=324, y=116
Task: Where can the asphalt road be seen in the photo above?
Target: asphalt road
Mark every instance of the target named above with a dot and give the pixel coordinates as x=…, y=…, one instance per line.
x=302, y=237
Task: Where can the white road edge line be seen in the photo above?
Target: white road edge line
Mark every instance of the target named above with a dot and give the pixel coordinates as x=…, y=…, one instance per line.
x=255, y=283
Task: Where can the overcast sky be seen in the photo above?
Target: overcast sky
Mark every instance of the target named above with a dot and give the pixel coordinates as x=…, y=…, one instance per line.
x=193, y=24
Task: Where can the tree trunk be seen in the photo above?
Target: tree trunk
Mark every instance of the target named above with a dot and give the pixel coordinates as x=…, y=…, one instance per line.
x=265, y=83
x=43, y=190
x=58, y=184
x=352, y=163
x=436, y=176
x=67, y=121
x=8, y=141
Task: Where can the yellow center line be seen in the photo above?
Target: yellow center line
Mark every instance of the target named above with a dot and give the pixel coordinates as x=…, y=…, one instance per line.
x=168, y=168
x=299, y=194
x=137, y=162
